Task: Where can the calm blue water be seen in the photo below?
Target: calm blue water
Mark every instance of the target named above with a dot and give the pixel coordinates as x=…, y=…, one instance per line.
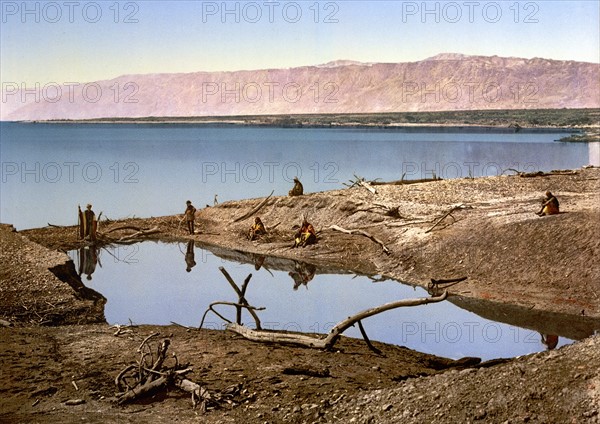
x=148, y=283
x=151, y=170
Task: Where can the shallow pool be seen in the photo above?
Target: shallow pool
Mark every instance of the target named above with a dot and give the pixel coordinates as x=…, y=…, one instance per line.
x=160, y=283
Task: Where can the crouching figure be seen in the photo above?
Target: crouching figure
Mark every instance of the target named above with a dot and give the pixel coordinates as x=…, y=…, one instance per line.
x=305, y=235
x=550, y=205
x=257, y=229
x=298, y=189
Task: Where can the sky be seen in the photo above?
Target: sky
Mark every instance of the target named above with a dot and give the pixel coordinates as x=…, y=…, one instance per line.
x=82, y=41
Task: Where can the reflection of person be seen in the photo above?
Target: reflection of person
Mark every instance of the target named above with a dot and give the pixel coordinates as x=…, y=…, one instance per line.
x=549, y=205
x=190, y=256
x=88, y=258
x=259, y=260
x=190, y=216
x=303, y=273
x=550, y=340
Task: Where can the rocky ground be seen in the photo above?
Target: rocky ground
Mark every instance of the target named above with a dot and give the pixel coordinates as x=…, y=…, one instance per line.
x=529, y=268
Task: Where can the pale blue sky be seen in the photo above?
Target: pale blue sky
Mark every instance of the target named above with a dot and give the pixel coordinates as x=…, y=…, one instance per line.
x=189, y=36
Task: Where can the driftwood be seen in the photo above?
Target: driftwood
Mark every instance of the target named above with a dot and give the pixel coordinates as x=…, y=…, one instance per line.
x=149, y=375
x=328, y=342
x=255, y=210
x=361, y=182
x=362, y=233
x=367, y=186
x=391, y=211
x=405, y=224
x=436, y=285
x=540, y=173
x=404, y=182
x=444, y=217
x=141, y=233
x=123, y=227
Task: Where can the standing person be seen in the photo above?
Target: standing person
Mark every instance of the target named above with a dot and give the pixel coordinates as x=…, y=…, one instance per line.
x=89, y=223
x=190, y=216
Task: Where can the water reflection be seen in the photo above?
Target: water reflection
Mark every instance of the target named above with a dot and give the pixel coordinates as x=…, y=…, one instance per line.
x=190, y=256
x=150, y=291
x=87, y=260
x=302, y=274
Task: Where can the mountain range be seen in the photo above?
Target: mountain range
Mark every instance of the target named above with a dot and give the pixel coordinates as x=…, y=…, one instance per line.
x=444, y=82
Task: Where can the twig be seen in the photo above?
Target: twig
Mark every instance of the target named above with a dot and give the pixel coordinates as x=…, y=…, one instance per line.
x=238, y=305
x=444, y=216
x=139, y=349
x=364, y=334
x=362, y=233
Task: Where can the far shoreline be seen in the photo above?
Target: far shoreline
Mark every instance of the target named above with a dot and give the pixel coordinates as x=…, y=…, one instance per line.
x=581, y=122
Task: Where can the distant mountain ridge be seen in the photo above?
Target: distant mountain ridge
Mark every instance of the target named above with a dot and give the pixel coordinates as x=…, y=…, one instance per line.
x=449, y=81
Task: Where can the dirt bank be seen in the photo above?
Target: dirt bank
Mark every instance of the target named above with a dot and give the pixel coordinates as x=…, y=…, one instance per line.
x=528, y=265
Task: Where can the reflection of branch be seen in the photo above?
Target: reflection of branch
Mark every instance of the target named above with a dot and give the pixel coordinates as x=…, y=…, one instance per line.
x=113, y=255
x=241, y=294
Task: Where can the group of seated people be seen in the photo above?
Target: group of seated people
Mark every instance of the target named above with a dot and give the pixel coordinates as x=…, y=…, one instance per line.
x=304, y=236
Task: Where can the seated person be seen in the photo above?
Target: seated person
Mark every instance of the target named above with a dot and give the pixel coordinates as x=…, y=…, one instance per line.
x=305, y=235
x=298, y=190
x=549, y=205
x=257, y=229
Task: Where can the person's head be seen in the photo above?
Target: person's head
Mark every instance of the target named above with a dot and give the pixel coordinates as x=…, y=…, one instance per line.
x=89, y=206
x=296, y=180
x=189, y=202
x=548, y=194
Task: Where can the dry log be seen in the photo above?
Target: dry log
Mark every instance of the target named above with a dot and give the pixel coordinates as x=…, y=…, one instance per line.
x=266, y=336
x=256, y=209
x=368, y=186
x=362, y=233
x=335, y=333
x=403, y=181
x=142, y=390
x=123, y=227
